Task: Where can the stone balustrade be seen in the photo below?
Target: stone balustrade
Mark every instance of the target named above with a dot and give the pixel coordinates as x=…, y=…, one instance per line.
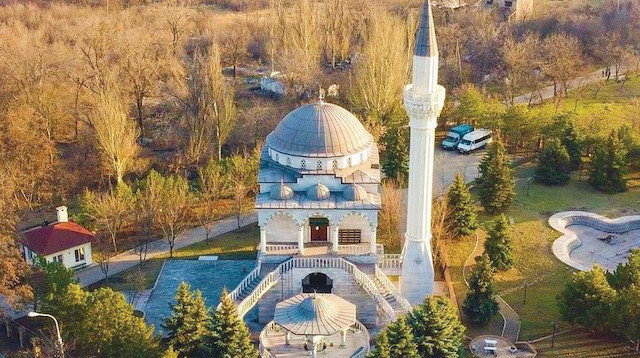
x=391, y=264
x=391, y=288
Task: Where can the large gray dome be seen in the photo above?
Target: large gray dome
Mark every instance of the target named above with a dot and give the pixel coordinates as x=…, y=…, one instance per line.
x=319, y=130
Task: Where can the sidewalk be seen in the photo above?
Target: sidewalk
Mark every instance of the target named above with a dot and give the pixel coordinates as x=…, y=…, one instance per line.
x=157, y=248
x=547, y=92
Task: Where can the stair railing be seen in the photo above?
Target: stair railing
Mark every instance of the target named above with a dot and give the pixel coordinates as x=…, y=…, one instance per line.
x=391, y=288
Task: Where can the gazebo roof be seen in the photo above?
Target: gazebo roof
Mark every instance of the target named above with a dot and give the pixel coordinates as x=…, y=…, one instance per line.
x=316, y=314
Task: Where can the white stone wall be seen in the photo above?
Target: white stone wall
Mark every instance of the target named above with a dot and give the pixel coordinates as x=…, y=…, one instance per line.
x=282, y=228
x=68, y=256
x=344, y=285
x=352, y=222
x=326, y=163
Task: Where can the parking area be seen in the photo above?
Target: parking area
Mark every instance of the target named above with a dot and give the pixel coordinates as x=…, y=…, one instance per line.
x=448, y=163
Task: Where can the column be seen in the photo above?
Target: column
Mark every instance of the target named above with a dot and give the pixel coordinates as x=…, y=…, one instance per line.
x=344, y=339
x=263, y=240
x=301, y=239
x=374, y=244
x=336, y=237
x=287, y=339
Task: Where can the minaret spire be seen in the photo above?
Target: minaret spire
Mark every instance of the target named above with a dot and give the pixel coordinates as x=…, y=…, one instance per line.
x=423, y=100
x=425, y=54
x=426, y=44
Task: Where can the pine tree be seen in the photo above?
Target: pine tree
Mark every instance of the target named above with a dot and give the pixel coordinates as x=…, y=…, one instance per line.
x=498, y=244
x=462, y=210
x=480, y=304
x=382, y=347
x=436, y=327
x=573, y=144
x=396, y=153
x=627, y=273
x=609, y=166
x=170, y=353
x=188, y=322
x=496, y=184
x=554, y=164
x=401, y=340
x=626, y=320
x=587, y=299
x=228, y=336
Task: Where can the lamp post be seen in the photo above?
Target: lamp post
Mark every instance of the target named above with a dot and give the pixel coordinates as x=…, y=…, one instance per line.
x=60, y=344
x=553, y=335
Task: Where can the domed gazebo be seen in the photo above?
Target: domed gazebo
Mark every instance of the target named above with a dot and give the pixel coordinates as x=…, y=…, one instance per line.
x=319, y=183
x=315, y=322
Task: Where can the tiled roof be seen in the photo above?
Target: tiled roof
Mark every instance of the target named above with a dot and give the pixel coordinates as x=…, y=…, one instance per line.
x=426, y=45
x=56, y=237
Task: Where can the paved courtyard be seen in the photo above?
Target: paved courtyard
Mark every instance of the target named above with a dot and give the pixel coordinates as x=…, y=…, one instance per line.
x=595, y=250
x=210, y=277
x=502, y=348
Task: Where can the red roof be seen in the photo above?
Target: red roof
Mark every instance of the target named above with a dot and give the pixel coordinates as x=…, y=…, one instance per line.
x=56, y=237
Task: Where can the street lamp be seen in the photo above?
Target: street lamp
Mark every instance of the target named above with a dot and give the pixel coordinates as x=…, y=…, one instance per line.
x=60, y=344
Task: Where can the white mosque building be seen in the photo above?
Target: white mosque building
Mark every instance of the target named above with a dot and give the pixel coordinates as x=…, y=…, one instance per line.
x=321, y=279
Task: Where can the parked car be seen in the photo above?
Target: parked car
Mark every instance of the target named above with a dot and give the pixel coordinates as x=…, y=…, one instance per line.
x=475, y=140
x=455, y=135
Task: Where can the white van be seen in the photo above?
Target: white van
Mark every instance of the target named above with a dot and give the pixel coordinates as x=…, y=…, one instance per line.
x=474, y=140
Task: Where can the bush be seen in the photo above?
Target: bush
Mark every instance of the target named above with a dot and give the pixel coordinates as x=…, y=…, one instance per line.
x=554, y=164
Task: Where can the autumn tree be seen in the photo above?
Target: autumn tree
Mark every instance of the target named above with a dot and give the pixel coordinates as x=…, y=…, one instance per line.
x=169, y=200
x=109, y=212
x=213, y=182
x=562, y=60
x=234, y=44
x=391, y=215
x=115, y=133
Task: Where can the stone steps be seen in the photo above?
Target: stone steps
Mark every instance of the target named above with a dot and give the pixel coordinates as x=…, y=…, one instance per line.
x=389, y=297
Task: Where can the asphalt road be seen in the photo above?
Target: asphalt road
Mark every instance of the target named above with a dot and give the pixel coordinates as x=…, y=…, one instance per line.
x=449, y=163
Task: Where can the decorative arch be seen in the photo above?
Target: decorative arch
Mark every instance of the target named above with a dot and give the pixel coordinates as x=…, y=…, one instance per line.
x=356, y=213
x=280, y=213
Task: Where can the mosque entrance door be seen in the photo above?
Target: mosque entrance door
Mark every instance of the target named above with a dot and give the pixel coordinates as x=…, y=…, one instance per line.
x=319, y=229
x=317, y=282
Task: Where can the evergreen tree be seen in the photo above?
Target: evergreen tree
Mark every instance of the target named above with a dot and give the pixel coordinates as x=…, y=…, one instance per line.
x=587, y=299
x=496, y=184
x=382, y=348
x=228, y=336
x=188, y=322
x=573, y=144
x=480, y=304
x=49, y=281
x=396, y=153
x=401, y=340
x=462, y=210
x=626, y=320
x=170, y=353
x=436, y=327
x=498, y=244
x=554, y=164
x=627, y=273
x=609, y=166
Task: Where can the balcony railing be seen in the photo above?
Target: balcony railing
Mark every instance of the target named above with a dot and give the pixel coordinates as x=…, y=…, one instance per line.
x=391, y=264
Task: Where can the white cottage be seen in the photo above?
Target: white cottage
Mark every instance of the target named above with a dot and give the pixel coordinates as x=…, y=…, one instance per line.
x=319, y=183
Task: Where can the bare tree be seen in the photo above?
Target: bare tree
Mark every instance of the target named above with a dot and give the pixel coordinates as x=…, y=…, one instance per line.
x=115, y=133
x=234, y=44
x=562, y=60
x=212, y=183
x=390, y=218
x=109, y=211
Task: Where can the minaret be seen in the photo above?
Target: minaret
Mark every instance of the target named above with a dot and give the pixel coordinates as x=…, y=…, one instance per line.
x=423, y=100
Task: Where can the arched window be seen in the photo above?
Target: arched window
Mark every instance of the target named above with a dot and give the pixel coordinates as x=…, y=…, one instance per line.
x=288, y=161
x=277, y=157
x=361, y=157
x=349, y=161
x=335, y=164
x=319, y=165
x=303, y=164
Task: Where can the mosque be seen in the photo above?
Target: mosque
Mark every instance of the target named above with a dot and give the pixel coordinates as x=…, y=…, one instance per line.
x=321, y=281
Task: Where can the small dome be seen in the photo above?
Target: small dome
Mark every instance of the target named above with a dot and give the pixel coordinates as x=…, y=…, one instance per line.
x=281, y=192
x=319, y=130
x=355, y=192
x=318, y=192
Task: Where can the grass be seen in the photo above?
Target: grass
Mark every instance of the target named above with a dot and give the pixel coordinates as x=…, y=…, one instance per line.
x=532, y=237
x=239, y=244
x=582, y=344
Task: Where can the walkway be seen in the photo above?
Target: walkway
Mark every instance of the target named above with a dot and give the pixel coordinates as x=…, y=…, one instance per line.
x=157, y=248
x=511, y=326
x=547, y=92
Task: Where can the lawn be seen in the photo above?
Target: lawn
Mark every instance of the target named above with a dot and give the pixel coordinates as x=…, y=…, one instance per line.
x=239, y=244
x=532, y=237
x=582, y=344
